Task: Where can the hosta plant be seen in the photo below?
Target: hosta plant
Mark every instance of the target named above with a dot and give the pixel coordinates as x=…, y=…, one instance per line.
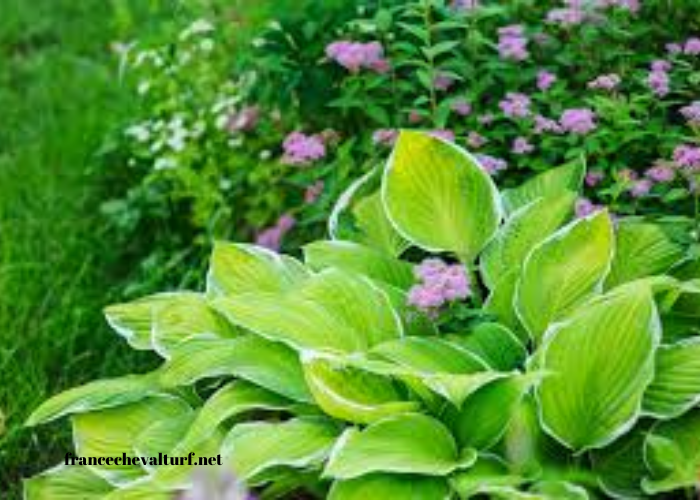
x=456, y=342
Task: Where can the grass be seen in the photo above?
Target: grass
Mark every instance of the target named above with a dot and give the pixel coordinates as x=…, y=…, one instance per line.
x=58, y=96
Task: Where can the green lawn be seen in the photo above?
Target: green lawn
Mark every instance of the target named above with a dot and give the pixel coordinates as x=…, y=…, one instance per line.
x=59, y=95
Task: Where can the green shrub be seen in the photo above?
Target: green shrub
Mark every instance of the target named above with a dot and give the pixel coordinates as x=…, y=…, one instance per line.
x=555, y=360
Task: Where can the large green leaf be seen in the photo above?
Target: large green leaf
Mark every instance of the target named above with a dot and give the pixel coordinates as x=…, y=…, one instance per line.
x=333, y=311
x=114, y=431
x=642, y=249
x=676, y=386
x=488, y=471
x=354, y=395
x=601, y=360
x=672, y=452
x=264, y=363
x=495, y=344
x=527, y=227
x=552, y=182
x=255, y=448
x=388, y=486
x=238, y=269
x=356, y=258
x=66, y=482
x=376, y=230
x=438, y=196
x=620, y=468
x=501, y=303
x=563, y=271
x=96, y=395
x=406, y=444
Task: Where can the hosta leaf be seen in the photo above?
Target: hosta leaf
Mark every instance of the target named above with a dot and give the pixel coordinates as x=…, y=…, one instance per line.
x=676, y=385
x=353, y=395
x=66, y=482
x=415, y=323
x=549, y=490
x=488, y=471
x=642, y=249
x=238, y=269
x=672, y=453
x=564, y=270
x=387, y=486
x=552, y=182
x=496, y=345
x=97, y=395
x=485, y=415
x=114, y=431
x=267, y=364
x=231, y=400
x=375, y=227
x=438, y=196
x=333, y=311
x=601, y=361
x=406, y=444
x=359, y=259
x=500, y=303
x=527, y=227
x=161, y=436
x=258, y=447
x=621, y=468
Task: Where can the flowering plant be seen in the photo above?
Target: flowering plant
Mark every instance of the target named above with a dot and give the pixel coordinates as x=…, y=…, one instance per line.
x=576, y=373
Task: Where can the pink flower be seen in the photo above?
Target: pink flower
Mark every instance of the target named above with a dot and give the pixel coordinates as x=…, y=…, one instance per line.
x=515, y=105
x=661, y=65
x=385, y=136
x=491, y=164
x=585, y=207
x=439, y=284
x=566, y=17
x=658, y=79
x=692, y=47
x=446, y=135
x=579, y=121
x=443, y=82
x=687, y=157
x=545, y=80
x=594, y=177
x=543, y=125
x=271, y=238
x=355, y=56
x=415, y=117
x=461, y=107
x=244, y=120
x=640, y=188
x=512, y=43
x=627, y=175
x=465, y=4
x=660, y=173
x=485, y=119
x=674, y=48
x=476, y=140
x=302, y=150
x=313, y=192
x=692, y=113
x=521, y=146
x=605, y=82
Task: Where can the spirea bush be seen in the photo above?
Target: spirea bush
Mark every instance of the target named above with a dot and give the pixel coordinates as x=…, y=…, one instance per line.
x=259, y=153
x=448, y=341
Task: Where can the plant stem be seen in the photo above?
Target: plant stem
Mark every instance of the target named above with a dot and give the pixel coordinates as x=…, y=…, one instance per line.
x=431, y=62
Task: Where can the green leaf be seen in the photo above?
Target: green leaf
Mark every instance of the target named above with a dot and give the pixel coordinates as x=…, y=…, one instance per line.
x=676, y=385
x=438, y=197
x=488, y=471
x=672, y=453
x=601, y=360
x=97, y=395
x=114, y=431
x=237, y=269
x=376, y=228
x=333, y=311
x=500, y=303
x=134, y=320
x=388, y=486
x=353, y=395
x=406, y=444
x=267, y=364
x=642, y=249
x=548, y=490
x=526, y=227
x=563, y=271
x=552, y=182
x=66, y=482
x=495, y=344
x=359, y=259
x=621, y=468
x=255, y=448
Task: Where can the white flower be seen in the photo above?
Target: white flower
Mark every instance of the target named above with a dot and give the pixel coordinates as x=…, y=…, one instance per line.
x=140, y=132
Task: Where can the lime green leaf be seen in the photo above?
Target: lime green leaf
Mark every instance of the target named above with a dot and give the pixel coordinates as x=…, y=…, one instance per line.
x=376, y=229
x=96, y=395
x=134, y=320
x=672, y=453
x=676, y=386
x=264, y=363
x=162, y=436
x=486, y=414
x=621, y=468
x=552, y=182
x=114, y=431
x=549, y=490
x=438, y=196
x=601, y=361
x=407, y=444
x=527, y=227
x=524, y=443
x=353, y=395
x=387, y=486
x=359, y=259
x=563, y=271
x=258, y=447
x=496, y=345
x=332, y=311
x=66, y=482
x=238, y=268
x=500, y=303
x=642, y=249
x=488, y=471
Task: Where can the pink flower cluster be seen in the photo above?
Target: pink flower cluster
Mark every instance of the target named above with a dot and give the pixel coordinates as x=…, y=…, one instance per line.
x=355, y=56
x=521, y=146
x=385, y=136
x=579, y=121
x=440, y=283
x=545, y=80
x=515, y=105
x=244, y=120
x=544, y=124
x=605, y=82
x=302, y=150
x=466, y=4
x=491, y=164
x=658, y=79
x=271, y=237
x=475, y=140
x=594, y=177
x=687, y=157
x=692, y=113
x=461, y=107
x=443, y=82
x=313, y=192
x=512, y=43
x=585, y=207
x=691, y=47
